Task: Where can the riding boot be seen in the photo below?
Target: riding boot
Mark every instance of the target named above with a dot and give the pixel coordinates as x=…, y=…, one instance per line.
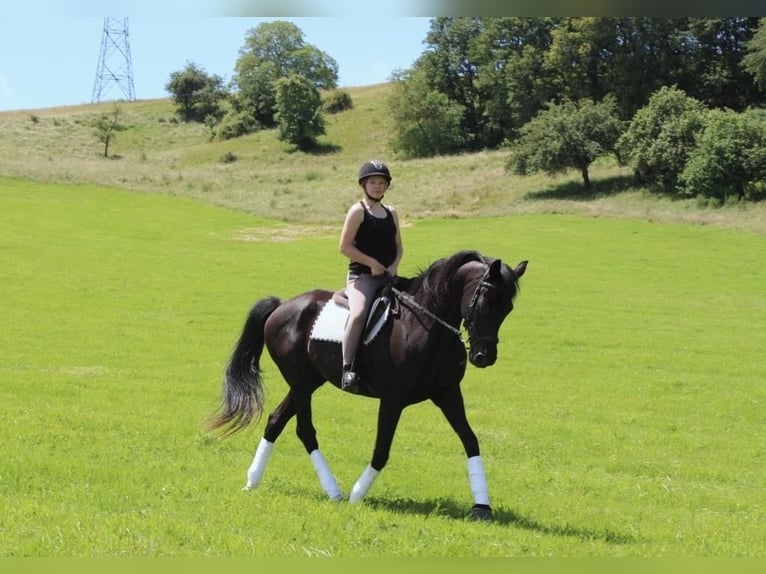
x=350, y=380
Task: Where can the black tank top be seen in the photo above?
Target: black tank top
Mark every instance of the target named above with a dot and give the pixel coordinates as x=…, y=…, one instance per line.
x=375, y=237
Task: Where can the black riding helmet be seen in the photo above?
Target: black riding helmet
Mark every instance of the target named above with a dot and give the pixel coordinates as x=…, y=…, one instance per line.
x=374, y=167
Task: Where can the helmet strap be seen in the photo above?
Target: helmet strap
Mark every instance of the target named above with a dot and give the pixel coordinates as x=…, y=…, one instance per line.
x=372, y=200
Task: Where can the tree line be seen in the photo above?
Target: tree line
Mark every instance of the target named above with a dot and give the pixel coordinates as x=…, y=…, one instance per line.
x=557, y=92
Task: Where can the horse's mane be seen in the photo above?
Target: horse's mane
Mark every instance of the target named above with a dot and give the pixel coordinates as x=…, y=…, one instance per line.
x=432, y=286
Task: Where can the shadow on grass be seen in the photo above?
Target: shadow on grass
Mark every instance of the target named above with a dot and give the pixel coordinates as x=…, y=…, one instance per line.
x=576, y=190
x=449, y=508
x=318, y=149
x=504, y=517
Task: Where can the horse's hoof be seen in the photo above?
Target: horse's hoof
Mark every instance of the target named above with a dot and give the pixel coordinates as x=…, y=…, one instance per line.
x=247, y=487
x=481, y=512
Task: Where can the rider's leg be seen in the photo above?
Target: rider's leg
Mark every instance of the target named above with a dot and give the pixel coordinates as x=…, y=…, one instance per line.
x=360, y=295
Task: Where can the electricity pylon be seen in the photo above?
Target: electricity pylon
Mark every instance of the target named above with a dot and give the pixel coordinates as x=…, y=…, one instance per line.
x=114, y=64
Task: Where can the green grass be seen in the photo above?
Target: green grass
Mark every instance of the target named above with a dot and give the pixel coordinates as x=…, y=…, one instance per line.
x=625, y=415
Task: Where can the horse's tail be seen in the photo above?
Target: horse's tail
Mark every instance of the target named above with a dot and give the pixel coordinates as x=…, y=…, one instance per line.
x=242, y=393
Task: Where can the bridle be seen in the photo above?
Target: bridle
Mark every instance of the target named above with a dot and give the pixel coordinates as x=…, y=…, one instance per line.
x=468, y=319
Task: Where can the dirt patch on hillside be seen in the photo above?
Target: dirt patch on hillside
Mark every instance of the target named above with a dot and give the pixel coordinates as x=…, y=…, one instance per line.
x=284, y=233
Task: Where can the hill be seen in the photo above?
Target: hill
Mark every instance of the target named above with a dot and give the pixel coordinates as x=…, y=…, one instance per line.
x=259, y=174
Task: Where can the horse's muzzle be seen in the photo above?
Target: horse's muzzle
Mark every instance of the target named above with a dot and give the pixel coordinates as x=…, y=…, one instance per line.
x=483, y=356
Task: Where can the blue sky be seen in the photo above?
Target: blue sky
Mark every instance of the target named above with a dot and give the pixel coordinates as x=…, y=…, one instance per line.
x=51, y=59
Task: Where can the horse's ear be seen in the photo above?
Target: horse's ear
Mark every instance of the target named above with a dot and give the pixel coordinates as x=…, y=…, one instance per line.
x=520, y=268
x=495, y=270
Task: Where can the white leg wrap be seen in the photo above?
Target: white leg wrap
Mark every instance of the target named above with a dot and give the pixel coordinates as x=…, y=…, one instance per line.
x=258, y=466
x=327, y=480
x=478, y=480
x=363, y=484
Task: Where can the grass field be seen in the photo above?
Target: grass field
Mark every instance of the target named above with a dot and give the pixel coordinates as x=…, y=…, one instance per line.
x=625, y=415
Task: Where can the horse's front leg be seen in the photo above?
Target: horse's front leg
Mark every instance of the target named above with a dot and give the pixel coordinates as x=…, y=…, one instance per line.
x=389, y=413
x=451, y=404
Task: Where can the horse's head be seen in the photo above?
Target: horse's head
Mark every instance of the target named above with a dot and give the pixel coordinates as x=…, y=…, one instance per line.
x=487, y=300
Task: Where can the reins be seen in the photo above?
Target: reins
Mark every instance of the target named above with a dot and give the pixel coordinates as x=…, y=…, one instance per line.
x=409, y=299
x=406, y=297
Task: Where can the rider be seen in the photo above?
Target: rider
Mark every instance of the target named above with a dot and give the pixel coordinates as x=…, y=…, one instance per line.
x=372, y=242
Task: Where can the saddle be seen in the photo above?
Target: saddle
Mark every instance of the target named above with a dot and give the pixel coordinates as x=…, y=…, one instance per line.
x=331, y=320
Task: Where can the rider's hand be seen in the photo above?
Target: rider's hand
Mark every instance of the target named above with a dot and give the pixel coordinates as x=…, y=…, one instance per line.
x=377, y=269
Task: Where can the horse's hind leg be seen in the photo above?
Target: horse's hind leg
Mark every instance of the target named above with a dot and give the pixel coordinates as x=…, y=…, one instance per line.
x=307, y=434
x=274, y=427
x=293, y=404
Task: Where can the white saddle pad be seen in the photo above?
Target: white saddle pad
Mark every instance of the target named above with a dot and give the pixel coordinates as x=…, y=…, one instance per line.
x=331, y=322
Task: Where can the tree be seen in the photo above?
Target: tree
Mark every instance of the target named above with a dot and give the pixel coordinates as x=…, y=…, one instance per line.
x=729, y=158
x=511, y=83
x=450, y=67
x=565, y=136
x=575, y=59
x=255, y=96
x=425, y=122
x=272, y=51
x=661, y=136
x=472, y=84
x=106, y=127
x=299, y=111
x=196, y=94
x=754, y=62
x=626, y=57
x=720, y=79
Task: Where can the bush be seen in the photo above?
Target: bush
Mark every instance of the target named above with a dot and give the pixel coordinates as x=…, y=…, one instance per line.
x=661, y=136
x=228, y=157
x=729, y=160
x=233, y=125
x=337, y=101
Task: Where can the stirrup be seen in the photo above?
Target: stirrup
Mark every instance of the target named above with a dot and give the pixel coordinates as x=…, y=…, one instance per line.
x=350, y=381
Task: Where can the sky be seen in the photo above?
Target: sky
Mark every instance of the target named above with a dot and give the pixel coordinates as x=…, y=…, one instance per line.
x=52, y=59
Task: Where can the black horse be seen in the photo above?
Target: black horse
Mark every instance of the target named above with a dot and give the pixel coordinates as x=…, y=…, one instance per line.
x=419, y=354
